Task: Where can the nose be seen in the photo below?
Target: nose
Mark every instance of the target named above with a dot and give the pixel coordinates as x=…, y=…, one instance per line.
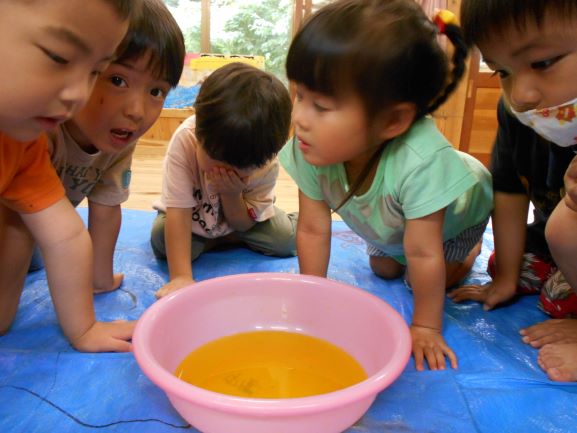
x=299, y=117
x=134, y=106
x=524, y=94
x=76, y=92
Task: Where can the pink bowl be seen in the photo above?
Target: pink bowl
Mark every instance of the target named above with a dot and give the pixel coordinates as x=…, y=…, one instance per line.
x=358, y=322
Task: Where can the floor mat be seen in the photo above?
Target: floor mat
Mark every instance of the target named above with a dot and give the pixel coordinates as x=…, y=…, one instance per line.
x=46, y=386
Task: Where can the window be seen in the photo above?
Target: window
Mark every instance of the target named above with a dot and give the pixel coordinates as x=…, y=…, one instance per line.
x=237, y=27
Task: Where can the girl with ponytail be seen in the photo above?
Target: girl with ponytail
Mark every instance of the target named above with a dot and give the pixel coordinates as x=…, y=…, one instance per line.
x=368, y=74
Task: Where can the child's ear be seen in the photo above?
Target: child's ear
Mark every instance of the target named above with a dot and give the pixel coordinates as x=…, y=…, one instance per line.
x=395, y=120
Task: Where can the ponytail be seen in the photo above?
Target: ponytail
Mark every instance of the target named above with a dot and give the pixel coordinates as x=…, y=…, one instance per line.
x=447, y=25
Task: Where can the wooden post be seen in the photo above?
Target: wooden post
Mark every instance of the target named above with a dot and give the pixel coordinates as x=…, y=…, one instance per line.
x=205, y=27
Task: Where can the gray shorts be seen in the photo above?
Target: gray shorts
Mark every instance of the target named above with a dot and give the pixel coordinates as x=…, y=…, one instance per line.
x=456, y=249
x=273, y=237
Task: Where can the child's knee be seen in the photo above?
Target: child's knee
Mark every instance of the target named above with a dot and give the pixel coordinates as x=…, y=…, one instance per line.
x=4, y=328
x=284, y=244
x=6, y=320
x=385, y=267
x=561, y=229
x=283, y=236
x=157, y=241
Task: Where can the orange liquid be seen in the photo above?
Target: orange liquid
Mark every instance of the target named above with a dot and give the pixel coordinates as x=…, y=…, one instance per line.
x=270, y=364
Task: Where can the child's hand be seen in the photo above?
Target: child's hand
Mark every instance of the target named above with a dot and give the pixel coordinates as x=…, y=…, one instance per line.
x=225, y=181
x=571, y=185
x=100, y=287
x=490, y=294
x=106, y=337
x=173, y=286
x=429, y=344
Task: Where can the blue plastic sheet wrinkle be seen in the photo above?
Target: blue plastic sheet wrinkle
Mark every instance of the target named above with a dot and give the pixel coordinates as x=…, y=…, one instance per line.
x=46, y=386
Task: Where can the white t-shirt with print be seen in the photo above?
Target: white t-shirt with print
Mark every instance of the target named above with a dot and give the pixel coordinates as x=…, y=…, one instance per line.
x=184, y=186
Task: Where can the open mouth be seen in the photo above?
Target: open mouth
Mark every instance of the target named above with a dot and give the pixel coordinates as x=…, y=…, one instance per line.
x=122, y=134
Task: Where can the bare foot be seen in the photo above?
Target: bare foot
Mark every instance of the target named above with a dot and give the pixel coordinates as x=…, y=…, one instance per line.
x=559, y=361
x=557, y=331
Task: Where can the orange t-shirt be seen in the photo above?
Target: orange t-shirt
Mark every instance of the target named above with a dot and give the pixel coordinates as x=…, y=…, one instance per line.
x=28, y=181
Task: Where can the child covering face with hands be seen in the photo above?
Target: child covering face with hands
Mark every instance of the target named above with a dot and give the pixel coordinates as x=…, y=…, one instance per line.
x=220, y=172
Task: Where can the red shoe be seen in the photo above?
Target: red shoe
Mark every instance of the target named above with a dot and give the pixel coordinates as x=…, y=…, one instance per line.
x=557, y=298
x=534, y=273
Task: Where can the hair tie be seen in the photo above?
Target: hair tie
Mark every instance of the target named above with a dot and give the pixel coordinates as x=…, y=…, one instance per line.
x=444, y=18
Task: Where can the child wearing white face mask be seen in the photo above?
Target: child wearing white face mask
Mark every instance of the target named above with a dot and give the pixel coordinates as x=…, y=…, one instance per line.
x=532, y=46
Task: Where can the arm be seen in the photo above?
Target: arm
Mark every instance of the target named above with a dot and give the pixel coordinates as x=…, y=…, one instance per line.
x=509, y=232
x=423, y=245
x=560, y=233
x=16, y=246
x=229, y=186
x=178, y=233
x=571, y=185
x=562, y=227
x=104, y=226
x=67, y=252
x=313, y=236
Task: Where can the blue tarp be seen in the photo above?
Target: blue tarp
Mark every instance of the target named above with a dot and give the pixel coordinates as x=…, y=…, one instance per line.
x=181, y=97
x=46, y=386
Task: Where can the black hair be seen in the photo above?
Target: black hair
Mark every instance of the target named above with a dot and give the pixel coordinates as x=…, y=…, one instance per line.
x=386, y=51
x=242, y=115
x=483, y=19
x=125, y=8
x=154, y=31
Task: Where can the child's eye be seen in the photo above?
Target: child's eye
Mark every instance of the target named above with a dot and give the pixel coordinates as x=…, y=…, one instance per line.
x=158, y=93
x=319, y=107
x=544, y=64
x=54, y=57
x=298, y=96
x=117, y=81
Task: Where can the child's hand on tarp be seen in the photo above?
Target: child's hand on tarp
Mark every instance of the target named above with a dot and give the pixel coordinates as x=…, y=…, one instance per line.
x=174, y=285
x=490, y=295
x=106, y=337
x=429, y=345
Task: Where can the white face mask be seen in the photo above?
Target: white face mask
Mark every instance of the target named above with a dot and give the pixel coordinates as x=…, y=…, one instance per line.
x=557, y=124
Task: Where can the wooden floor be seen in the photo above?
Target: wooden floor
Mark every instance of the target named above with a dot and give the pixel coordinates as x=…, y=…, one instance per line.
x=146, y=180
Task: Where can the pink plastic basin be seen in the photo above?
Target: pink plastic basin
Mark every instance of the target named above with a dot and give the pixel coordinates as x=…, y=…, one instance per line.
x=358, y=322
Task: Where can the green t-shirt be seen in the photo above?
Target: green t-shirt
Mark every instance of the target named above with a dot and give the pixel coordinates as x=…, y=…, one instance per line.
x=418, y=174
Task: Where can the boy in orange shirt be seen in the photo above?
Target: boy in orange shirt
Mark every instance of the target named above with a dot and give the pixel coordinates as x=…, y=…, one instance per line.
x=52, y=54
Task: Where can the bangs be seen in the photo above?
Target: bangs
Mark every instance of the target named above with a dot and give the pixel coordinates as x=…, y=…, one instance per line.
x=166, y=61
x=490, y=19
x=321, y=54
x=155, y=33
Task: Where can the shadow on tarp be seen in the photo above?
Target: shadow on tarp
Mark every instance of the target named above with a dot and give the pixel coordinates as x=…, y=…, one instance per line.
x=46, y=386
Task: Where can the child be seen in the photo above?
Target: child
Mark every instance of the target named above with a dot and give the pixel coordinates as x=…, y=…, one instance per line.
x=367, y=74
x=92, y=152
x=220, y=171
x=52, y=52
x=532, y=46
